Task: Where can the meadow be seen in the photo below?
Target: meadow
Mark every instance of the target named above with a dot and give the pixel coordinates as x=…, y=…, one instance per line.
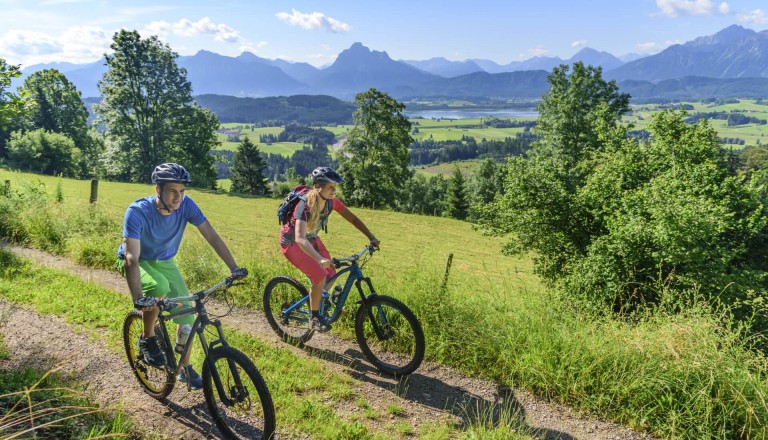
x=252, y=133
x=752, y=134
x=676, y=375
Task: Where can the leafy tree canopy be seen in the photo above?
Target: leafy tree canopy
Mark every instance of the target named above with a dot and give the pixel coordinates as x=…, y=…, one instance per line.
x=622, y=223
x=11, y=105
x=149, y=112
x=375, y=158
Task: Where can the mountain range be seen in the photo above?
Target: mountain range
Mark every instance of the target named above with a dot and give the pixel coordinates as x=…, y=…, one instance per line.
x=732, y=62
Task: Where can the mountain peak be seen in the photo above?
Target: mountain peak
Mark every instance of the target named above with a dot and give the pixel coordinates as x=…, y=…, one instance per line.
x=358, y=52
x=726, y=36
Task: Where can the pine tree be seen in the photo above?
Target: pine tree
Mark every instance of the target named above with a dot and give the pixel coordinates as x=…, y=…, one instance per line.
x=248, y=169
x=457, y=205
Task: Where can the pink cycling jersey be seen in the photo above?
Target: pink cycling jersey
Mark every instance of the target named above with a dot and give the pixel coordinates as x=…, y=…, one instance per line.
x=295, y=254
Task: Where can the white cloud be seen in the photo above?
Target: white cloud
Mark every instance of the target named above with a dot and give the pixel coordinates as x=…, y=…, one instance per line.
x=221, y=33
x=314, y=20
x=253, y=47
x=74, y=45
x=579, y=43
x=757, y=17
x=185, y=28
x=673, y=8
x=653, y=47
x=538, y=51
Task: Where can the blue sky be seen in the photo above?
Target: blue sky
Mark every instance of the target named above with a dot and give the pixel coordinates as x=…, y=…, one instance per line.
x=79, y=31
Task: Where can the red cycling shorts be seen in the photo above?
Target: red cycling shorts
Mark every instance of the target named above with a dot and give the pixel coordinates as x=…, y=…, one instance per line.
x=311, y=268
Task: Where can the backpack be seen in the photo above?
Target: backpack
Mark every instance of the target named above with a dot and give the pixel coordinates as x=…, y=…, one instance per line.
x=286, y=208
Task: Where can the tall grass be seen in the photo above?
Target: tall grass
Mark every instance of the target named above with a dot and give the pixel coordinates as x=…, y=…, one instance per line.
x=44, y=405
x=683, y=375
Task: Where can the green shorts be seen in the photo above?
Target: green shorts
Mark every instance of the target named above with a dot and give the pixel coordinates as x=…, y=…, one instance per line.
x=161, y=279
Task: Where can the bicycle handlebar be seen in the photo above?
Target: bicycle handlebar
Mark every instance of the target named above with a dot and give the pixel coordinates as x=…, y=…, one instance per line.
x=169, y=303
x=339, y=262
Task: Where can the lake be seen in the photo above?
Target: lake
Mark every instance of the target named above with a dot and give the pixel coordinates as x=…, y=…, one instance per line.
x=471, y=113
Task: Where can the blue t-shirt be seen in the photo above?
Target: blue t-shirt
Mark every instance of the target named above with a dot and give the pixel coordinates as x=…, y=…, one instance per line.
x=160, y=235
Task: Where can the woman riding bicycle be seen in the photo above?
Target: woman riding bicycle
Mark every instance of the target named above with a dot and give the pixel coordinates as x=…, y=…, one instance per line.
x=152, y=232
x=301, y=245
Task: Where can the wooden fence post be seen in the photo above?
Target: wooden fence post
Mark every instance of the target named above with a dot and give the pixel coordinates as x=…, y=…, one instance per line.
x=94, y=190
x=447, y=271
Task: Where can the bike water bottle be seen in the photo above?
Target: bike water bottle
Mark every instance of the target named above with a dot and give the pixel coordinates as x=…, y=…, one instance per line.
x=326, y=302
x=336, y=294
x=181, y=339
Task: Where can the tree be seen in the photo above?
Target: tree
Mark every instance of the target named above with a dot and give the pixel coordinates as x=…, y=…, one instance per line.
x=486, y=183
x=44, y=152
x=573, y=112
x=622, y=224
x=58, y=105
x=673, y=221
x=579, y=119
x=423, y=196
x=193, y=139
x=374, y=159
x=59, y=108
x=146, y=104
x=248, y=169
x=456, y=202
x=12, y=106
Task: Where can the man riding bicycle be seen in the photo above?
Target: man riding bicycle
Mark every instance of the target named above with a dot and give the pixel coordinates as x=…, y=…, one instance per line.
x=152, y=232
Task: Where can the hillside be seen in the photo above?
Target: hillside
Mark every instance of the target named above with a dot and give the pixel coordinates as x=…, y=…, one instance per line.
x=488, y=317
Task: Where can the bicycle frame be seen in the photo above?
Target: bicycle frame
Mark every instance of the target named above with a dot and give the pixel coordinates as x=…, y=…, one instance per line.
x=201, y=321
x=355, y=278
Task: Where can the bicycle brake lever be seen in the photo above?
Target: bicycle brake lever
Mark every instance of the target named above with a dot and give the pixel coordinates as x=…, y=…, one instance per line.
x=162, y=305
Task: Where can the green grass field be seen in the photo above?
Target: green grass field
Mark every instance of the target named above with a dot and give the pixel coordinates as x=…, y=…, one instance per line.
x=681, y=376
x=282, y=148
x=752, y=134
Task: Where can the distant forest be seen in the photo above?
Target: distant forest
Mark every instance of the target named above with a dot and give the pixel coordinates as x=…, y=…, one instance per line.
x=280, y=110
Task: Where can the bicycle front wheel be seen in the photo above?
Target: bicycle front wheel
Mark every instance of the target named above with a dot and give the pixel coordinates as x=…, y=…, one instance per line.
x=239, y=401
x=288, y=318
x=390, y=335
x=157, y=382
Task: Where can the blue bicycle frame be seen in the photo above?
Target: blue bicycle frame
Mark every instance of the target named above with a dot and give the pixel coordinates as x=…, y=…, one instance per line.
x=355, y=278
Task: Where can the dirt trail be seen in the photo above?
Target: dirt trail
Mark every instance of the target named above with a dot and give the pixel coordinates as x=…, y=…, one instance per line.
x=432, y=393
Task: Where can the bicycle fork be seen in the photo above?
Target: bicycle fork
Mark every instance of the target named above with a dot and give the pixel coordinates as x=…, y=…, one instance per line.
x=238, y=392
x=375, y=313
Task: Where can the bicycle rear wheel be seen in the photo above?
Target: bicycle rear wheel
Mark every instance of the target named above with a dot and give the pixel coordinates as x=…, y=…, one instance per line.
x=280, y=294
x=390, y=335
x=242, y=407
x=157, y=382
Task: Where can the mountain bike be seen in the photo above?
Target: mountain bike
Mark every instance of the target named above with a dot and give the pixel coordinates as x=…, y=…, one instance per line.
x=387, y=331
x=235, y=393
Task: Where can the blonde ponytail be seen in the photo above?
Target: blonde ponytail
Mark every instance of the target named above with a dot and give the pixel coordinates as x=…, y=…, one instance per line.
x=316, y=205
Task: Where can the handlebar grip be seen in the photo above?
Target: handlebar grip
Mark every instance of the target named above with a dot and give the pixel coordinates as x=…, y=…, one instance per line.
x=336, y=263
x=145, y=301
